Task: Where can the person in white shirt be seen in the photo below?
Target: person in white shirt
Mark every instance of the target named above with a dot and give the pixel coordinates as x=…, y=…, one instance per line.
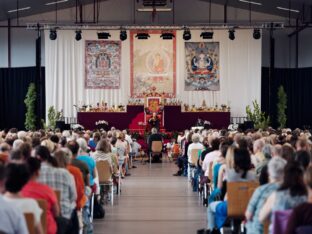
x=12, y=219
x=195, y=145
x=17, y=175
x=212, y=156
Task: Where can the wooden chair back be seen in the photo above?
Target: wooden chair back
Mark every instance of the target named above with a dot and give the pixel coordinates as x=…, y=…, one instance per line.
x=239, y=194
x=30, y=222
x=266, y=226
x=43, y=204
x=210, y=172
x=194, y=156
x=58, y=196
x=157, y=146
x=104, y=170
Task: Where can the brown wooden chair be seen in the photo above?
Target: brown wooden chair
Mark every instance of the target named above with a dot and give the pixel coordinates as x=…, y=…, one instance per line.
x=156, y=148
x=105, y=176
x=30, y=222
x=266, y=226
x=44, y=206
x=239, y=194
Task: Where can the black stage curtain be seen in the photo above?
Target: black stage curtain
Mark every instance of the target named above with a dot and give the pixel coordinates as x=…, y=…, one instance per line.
x=297, y=84
x=14, y=83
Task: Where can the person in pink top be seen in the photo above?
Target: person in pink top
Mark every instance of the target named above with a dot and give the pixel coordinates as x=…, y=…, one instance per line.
x=36, y=190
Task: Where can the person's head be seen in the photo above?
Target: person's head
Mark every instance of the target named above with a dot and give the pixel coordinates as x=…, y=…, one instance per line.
x=223, y=149
x=25, y=148
x=16, y=156
x=154, y=115
x=4, y=148
x=83, y=145
x=288, y=152
x=96, y=137
x=113, y=140
x=17, y=143
x=74, y=147
x=195, y=138
x=215, y=144
x=277, y=151
x=242, y=161
x=276, y=168
x=42, y=153
x=303, y=158
x=62, y=158
x=103, y=146
x=16, y=176
x=242, y=143
x=293, y=179
x=302, y=144
x=267, y=151
x=34, y=165
x=55, y=139
x=49, y=144
x=154, y=130
x=35, y=142
x=258, y=146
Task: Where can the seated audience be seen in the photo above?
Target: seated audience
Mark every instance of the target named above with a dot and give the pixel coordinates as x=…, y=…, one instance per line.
x=303, y=157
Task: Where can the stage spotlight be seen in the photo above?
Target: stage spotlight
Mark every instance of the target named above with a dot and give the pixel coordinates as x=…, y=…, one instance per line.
x=53, y=34
x=187, y=35
x=207, y=35
x=123, y=35
x=103, y=35
x=142, y=36
x=232, y=34
x=167, y=36
x=78, y=35
x=256, y=34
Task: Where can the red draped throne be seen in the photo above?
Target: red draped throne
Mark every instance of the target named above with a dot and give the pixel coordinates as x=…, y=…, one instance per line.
x=154, y=104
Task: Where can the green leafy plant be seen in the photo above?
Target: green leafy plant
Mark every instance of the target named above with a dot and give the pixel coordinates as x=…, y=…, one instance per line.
x=281, y=107
x=257, y=116
x=51, y=117
x=30, y=102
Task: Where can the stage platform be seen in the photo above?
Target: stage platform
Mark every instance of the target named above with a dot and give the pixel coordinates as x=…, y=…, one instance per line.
x=174, y=118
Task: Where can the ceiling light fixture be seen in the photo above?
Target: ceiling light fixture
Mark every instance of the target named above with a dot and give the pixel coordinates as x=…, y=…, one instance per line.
x=142, y=36
x=187, y=34
x=287, y=9
x=251, y=2
x=78, y=36
x=56, y=2
x=103, y=35
x=206, y=35
x=232, y=34
x=123, y=35
x=167, y=35
x=154, y=9
x=53, y=34
x=19, y=9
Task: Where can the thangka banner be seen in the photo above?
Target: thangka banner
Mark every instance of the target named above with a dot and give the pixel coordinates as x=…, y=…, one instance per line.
x=202, y=66
x=102, y=64
x=153, y=64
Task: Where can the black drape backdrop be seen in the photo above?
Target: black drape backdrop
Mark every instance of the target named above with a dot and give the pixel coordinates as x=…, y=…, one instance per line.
x=298, y=86
x=14, y=83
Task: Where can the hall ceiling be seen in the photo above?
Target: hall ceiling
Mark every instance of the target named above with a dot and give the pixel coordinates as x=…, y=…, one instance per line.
x=268, y=6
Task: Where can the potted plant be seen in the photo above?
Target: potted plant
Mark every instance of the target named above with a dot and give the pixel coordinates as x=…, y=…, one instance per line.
x=30, y=102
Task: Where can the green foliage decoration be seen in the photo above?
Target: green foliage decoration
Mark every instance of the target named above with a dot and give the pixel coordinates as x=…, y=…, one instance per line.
x=30, y=102
x=257, y=116
x=281, y=107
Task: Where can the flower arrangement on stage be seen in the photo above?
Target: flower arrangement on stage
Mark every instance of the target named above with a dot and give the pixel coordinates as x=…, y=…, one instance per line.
x=101, y=122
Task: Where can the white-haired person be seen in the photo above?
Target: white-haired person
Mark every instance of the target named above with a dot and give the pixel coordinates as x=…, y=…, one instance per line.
x=258, y=156
x=276, y=172
x=195, y=145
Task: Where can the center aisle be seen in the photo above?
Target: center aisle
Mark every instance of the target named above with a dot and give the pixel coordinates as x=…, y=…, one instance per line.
x=153, y=201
